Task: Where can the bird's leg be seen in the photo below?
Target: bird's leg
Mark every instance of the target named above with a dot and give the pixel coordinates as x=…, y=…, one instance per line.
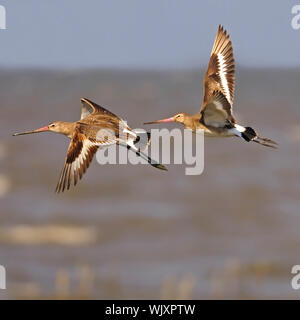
x=144, y=156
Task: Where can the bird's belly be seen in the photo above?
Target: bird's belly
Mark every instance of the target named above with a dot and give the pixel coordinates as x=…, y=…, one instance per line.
x=218, y=133
x=213, y=132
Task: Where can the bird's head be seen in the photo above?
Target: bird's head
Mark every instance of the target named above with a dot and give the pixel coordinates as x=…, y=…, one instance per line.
x=56, y=126
x=179, y=117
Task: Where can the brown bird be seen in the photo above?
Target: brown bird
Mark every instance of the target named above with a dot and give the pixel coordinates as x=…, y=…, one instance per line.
x=96, y=128
x=215, y=116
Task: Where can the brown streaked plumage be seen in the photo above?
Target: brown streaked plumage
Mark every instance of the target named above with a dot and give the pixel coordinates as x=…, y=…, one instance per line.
x=96, y=128
x=215, y=116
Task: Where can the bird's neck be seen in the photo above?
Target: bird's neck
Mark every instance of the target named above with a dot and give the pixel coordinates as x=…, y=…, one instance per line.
x=67, y=128
x=190, y=121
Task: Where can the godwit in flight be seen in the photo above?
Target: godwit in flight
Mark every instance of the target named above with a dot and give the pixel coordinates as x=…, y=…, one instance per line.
x=85, y=140
x=215, y=116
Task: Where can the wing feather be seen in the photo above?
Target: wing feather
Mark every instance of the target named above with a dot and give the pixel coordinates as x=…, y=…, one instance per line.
x=217, y=110
x=220, y=75
x=89, y=107
x=79, y=156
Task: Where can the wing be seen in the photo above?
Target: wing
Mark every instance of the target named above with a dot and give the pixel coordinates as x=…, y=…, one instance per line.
x=80, y=154
x=102, y=118
x=216, y=111
x=90, y=107
x=220, y=72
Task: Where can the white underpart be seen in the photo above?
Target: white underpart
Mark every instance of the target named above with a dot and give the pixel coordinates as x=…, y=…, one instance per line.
x=240, y=128
x=128, y=137
x=223, y=72
x=237, y=130
x=132, y=133
x=131, y=144
x=123, y=124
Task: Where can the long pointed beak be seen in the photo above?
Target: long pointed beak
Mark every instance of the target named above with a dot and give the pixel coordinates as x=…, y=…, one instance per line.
x=46, y=128
x=161, y=121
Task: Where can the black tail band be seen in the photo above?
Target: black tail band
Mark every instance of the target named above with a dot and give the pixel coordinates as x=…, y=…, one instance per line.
x=249, y=134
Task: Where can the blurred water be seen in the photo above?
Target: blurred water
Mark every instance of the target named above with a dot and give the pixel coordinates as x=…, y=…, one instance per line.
x=137, y=232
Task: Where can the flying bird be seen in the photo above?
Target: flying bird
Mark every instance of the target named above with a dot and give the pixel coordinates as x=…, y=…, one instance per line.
x=215, y=116
x=85, y=140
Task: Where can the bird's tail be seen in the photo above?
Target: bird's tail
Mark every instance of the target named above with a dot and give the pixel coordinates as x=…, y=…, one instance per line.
x=249, y=134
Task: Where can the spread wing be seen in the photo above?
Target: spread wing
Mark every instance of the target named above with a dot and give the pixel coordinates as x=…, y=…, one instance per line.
x=90, y=107
x=219, y=81
x=79, y=156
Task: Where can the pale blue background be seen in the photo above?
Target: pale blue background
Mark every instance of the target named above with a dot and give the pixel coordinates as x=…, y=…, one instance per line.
x=144, y=33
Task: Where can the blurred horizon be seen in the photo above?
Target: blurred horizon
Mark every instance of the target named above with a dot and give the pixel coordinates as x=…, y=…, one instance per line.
x=132, y=231
x=196, y=68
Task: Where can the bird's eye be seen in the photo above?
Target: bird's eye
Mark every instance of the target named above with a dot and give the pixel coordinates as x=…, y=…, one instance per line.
x=52, y=125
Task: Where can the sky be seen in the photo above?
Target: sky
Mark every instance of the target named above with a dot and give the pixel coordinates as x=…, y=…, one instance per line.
x=145, y=33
